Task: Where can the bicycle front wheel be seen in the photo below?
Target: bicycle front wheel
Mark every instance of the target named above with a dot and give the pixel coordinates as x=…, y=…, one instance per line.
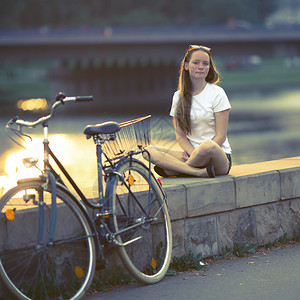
x=145, y=249
x=46, y=249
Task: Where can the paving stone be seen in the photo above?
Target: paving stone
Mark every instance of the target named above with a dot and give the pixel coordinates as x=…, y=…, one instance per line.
x=176, y=198
x=201, y=235
x=290, y=183
x=266, y=223
x=235, y=227
x=257, y=189
x=178, y=238
x=289, y=217
x=211, y=196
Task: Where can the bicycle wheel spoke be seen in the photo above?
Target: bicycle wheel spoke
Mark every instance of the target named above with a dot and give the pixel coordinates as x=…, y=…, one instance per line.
x=148, y=252
x=45, y=269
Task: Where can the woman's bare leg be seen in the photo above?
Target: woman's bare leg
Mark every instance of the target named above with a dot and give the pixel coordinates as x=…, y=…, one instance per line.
x=209, y=152
x=171, y=162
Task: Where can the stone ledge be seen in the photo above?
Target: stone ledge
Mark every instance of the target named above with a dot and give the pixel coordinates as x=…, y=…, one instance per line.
x=256, y=203
x=289, y=183
x=280, y=164
x=245, y=186
x=257, y=189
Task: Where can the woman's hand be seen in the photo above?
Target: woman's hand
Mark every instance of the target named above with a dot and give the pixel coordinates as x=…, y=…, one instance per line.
x=185, y=156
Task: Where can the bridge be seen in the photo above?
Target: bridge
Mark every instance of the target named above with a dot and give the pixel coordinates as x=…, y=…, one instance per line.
x=118, y=65
x=134, y=44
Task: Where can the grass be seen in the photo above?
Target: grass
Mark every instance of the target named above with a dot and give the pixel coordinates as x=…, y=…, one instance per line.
x=111, y=278
x=187, y=262
x=270, y=74
x=105, y=280
x=26, y=80
x=24, y=89
x=239, y=250
x=246, y=248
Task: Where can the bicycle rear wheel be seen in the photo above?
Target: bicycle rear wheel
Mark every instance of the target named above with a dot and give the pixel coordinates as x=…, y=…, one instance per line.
x=31, y=265
x=135, y=201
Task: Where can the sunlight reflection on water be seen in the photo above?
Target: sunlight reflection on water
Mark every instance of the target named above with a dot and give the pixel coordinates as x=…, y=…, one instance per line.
x=259, y=130
x=77, y=156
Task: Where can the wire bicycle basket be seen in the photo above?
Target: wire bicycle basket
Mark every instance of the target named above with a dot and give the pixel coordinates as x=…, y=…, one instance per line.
x=133, y=135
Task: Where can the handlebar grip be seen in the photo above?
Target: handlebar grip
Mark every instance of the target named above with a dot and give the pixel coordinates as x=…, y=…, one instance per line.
x=84, y=98
x=13, y=120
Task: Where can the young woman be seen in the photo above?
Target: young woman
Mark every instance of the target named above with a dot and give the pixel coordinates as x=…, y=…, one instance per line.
x=200, y=111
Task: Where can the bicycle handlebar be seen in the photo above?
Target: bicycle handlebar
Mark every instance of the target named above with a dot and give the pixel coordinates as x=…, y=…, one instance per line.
x=82, y=98
x=60, y=99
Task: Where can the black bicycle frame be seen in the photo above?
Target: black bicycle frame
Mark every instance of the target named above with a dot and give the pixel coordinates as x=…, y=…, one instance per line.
x=110, y=170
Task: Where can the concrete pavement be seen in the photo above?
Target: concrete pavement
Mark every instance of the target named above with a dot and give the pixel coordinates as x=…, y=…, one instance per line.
x=267, y=275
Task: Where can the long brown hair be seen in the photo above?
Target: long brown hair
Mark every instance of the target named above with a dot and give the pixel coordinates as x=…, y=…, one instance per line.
x=183, y=108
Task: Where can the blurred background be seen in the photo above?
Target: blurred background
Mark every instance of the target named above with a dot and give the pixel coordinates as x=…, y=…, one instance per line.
x=127, y=54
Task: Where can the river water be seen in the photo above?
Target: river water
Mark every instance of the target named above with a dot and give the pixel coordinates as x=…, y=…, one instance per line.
x=261, y=128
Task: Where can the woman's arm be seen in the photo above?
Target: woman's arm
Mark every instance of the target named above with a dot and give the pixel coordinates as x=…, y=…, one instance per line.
x=221, y=117
x=221, y=126
x=182, y=139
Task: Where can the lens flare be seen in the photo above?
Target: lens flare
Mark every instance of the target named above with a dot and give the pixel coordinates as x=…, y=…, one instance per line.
x=14, y=168
x=33, y=104
x=77, y=156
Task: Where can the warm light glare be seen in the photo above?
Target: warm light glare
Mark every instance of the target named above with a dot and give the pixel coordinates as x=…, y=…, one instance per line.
x=77, y=156
x=14, y=167
x=33, y=104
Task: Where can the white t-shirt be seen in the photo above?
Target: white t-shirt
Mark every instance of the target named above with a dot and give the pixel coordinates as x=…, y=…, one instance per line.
x=203, y=124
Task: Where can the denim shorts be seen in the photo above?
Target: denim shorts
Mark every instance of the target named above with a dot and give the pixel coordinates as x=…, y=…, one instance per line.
x=230, y=163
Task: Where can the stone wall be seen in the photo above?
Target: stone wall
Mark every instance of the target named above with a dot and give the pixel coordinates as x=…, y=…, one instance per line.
x=254, y=203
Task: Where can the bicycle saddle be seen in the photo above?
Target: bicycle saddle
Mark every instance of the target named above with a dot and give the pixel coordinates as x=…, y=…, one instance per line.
x=103, y=128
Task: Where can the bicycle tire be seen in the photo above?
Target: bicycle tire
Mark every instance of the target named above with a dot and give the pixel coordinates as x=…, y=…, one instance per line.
x=147, y=259
x=61, y=269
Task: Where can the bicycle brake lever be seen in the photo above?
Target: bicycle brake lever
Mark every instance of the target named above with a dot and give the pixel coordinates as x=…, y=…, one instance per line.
x=60, y=97
x=12, y=121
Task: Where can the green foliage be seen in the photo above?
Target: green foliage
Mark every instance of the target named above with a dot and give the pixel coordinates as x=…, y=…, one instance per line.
x=296, y=234
x=284, y=239
x=220, y=11
x=186, y=262
x=103, y=281
x=226, y=252
x=244, y=248
x=78, y=13
x=270, y=73
x=239, y=249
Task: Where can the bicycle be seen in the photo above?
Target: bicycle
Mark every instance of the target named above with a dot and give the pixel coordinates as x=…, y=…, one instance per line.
x=51, y=239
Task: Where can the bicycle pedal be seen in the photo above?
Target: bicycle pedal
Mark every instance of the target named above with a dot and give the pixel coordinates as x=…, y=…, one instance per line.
x=127, y=243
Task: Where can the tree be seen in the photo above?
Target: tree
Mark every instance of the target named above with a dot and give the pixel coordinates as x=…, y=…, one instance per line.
x=77, y=13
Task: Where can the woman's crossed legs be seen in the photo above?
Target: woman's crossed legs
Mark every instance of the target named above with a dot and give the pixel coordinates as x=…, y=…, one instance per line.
x=175, y=162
